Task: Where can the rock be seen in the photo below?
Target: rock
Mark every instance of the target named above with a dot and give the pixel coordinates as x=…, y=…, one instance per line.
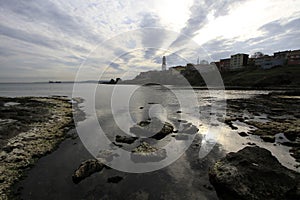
x=115, y=179
x=182, y=137
x=179, y=111
x=86, y=169
x=295, y=152
x=125, y=139
x=141, y=107
x=253, y=173
x=153, y=129
x=189, y=129
x=243, y=134
x=251, y=143
x=268, y=138
x=146, y=153
x=118, y=145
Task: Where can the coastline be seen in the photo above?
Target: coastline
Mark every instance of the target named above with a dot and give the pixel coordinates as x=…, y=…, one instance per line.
x=254, y=111
x=33, y=128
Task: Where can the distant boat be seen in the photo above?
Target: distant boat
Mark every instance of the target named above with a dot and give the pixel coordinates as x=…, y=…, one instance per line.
x=54, y=81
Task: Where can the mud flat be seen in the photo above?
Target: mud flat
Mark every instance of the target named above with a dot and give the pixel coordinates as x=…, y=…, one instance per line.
x=30, y=127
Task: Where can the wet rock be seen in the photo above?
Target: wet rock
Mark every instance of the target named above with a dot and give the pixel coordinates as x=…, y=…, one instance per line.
x=253, y=173
x=229, y=122
x=155, y=129
x=125, y=139
x=182, y=137
x=118, y=145
x=86, y=169
x=189, y=129
x=268, y=138
x=115, y=179
x=146, y=153
x=295, y=152
x=243, y=134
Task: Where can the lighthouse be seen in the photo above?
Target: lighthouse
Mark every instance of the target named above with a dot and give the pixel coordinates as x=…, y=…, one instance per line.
x=164, y=64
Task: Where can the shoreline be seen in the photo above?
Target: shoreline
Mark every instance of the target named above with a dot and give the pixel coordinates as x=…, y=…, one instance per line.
x=41, y=124
x=254, y=112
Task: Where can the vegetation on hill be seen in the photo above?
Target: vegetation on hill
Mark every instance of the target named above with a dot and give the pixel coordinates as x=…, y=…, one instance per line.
x=284, y=76
x=250, y=77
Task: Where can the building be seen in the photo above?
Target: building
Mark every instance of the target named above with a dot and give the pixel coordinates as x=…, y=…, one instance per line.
x=238, y=61
x=164, y=64
x=259, y=61
x=282, y=54
x=294, y=58
x=251, y=61
x=268, y=62
x=225, y=64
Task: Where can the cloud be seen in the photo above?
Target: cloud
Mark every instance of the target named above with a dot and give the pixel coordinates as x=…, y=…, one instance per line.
x=28, y=37
x=53, y=37
x=199, y=17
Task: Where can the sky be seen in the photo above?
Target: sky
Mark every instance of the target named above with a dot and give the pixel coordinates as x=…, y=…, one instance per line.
x=53, y=39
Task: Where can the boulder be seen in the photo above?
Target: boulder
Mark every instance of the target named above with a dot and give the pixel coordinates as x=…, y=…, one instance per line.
x=253, y=173
x=86, y=169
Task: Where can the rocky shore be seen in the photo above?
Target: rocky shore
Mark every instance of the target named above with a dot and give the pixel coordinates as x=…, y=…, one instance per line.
x=253, y=173
x=30, y=127
x=275, y=118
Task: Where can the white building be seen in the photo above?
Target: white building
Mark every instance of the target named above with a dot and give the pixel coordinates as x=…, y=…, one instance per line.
x=238, y=61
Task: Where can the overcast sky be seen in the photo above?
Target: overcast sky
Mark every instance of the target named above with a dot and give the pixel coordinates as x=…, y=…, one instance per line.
x=45, y=40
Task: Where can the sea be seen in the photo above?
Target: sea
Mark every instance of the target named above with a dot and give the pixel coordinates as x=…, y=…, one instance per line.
x=111, y=110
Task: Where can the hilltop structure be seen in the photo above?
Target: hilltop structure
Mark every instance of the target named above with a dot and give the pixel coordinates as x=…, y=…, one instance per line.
x=164, y=64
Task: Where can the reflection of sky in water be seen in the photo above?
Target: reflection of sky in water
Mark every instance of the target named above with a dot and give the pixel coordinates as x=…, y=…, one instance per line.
x=198, y=114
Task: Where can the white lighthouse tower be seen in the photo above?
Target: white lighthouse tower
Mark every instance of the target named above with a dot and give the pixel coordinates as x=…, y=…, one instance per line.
x=164, y=64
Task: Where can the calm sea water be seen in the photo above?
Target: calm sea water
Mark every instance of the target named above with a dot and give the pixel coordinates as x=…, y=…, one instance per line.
x=116, y=109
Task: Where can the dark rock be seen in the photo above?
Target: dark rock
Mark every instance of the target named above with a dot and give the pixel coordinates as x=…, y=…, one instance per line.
x=179, y=111
x=153, y=129
x=118, y=145
x=253, y=173
x=86, y=169
x=115, y=179
x=141, y=107
x=125, y=139
x=243, y=134
x=189, y=129
x=268, y=138
x=182, y=121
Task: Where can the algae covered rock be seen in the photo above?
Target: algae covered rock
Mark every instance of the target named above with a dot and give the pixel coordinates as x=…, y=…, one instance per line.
x=86, y=169
x=147, y=153
x=253, y=173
